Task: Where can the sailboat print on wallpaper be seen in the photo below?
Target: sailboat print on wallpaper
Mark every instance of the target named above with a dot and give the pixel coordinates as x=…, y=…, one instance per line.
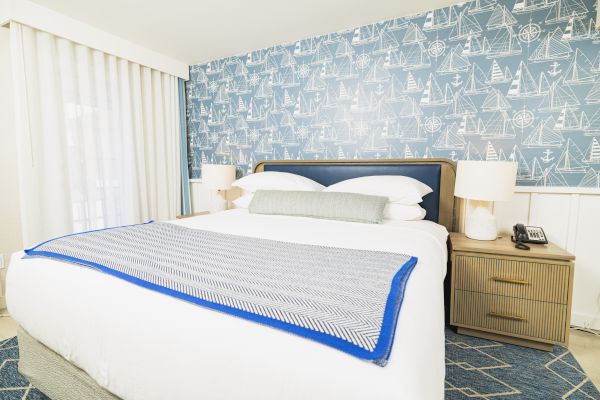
x=497, y=76
x=481, y=6
x=475, y=46
x=593, y=96
x=559, y=97
x=374, y=143
x=505, y=43
x=460, y=106
x=407, y=152
x=500, y=18
x=449, y=139
x=569, y=121
x=579, y=71
x=551, y=177
x=314, y=83
x=415, y=57
x=289, y=78
x=495, y=101
x=523, y=170
x=523, y=84
x=377, y=73
x=577, y=29
x=596, y=63
x=471, y=126
x=551, y=48
x=344, y=49
x=465, y=25
x=490, y=152
x=454, y=62
x=397, y=24
x=440, y=19
x=469, y=81
x=395, y=91
x=413, y=35
x=471, y=153
x=544, y=135
x=264, y=90
x=305, y=47
x=571, y=159
x=592, y=154
x=475, y=82
x=409, y=109
x=529, y=6
x=433, y=95
x=255, y=111
x=386, y=43
x=543, y=84
x=498, y=126
x=562, y=10
x=590, y=179
x=411, y=131
x=365, y=35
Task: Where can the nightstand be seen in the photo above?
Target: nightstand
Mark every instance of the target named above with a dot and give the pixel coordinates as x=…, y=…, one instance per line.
x=516, y=296
x=193, y=215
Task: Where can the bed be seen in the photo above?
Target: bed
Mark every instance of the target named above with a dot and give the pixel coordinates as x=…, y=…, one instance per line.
x=87, y=335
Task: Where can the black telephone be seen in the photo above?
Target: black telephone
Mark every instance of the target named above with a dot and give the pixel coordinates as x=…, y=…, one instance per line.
x=528, y=234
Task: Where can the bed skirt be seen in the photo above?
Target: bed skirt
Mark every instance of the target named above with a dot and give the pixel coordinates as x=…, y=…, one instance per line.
x=53, y=375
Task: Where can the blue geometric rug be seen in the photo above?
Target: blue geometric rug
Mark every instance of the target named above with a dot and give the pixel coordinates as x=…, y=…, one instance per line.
x=483, y=369
x=13, y=385
x=475, y=369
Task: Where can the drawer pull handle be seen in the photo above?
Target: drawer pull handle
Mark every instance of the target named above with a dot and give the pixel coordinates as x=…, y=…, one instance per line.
x=507, y=316
x=510, y=280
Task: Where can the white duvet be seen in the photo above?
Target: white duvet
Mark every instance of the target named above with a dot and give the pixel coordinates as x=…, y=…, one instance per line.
x=143, y=345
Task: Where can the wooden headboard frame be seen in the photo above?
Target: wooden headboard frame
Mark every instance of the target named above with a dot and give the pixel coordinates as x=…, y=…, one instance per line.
x=448, y=213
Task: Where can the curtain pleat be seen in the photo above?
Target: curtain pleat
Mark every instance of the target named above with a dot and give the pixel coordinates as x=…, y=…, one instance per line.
x=99, y=137
x=186, y=201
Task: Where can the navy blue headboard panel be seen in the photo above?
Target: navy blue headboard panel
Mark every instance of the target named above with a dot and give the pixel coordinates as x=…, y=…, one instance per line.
x=330, y=173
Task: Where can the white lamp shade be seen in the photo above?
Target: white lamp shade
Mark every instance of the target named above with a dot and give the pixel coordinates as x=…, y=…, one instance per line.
x=217, y=176
x=485, y=180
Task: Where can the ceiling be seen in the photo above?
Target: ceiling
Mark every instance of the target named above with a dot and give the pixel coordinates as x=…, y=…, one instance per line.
x=196, y=31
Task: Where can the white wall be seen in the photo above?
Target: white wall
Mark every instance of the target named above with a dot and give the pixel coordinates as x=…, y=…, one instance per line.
x=10, y=226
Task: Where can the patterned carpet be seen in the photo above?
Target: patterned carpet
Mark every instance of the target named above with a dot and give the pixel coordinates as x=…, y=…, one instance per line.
x=475, y=369
x=13, y=386
x=482, y=369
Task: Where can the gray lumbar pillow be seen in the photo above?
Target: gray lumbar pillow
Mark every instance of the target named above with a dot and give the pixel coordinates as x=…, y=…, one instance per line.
x=339, y=206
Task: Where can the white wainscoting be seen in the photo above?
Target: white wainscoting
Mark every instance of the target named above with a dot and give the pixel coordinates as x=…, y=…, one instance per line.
x=571, y=219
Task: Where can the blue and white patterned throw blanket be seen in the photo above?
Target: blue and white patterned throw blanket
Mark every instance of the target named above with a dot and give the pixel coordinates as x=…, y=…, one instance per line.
x=344, y=298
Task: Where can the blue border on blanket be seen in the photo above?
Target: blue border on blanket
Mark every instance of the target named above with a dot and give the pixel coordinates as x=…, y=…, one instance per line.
x=379, y=355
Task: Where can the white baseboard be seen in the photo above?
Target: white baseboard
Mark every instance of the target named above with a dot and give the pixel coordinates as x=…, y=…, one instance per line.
x=585, y=320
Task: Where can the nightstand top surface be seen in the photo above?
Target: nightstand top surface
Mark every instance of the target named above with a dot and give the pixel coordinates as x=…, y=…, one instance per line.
x=504, y=246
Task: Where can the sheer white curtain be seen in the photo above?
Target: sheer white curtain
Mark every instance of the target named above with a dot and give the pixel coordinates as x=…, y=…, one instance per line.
x=98, y=137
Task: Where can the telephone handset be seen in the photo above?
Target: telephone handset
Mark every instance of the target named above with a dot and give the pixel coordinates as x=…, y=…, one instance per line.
x=528, y=234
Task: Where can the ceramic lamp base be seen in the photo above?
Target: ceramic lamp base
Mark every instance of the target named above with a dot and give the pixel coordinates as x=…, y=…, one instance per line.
x=480, y=223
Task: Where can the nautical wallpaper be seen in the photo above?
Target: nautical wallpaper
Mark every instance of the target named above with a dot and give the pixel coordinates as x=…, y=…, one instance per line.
x=486, y=79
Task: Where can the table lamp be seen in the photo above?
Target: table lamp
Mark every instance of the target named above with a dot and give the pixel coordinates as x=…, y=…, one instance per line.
x=218, y=177
x=481, y=183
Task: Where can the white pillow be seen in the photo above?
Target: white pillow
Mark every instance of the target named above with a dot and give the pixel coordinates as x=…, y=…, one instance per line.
x=273, y=180
x=397, y=188
x=243, y=201
x=403, y=212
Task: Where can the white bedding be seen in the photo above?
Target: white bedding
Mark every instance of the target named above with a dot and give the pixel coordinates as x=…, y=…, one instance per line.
x=143, y=345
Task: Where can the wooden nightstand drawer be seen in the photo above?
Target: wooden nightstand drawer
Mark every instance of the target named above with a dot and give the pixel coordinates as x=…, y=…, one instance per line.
x=524, y=278
x=527, y=319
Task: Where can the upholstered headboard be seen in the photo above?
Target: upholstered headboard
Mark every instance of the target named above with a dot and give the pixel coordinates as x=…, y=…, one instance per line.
x=437, y=173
